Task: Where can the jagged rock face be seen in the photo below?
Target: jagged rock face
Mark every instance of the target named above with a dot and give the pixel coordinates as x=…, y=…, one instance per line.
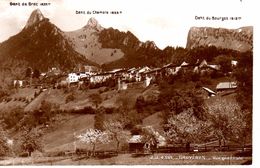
x=41, y=45
x=85, y=41
x=35, y=17
x=237, y=39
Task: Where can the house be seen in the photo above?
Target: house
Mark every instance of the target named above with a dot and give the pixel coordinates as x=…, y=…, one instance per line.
x=73, y=77
x=141, y=144
x=121, y=84
x=205, y=68
x=76, y=77
x=18, y=83
x=99, y=78
x=233, y=63
x=170, y=69
x=148, y=80
x=183, y=64
x=185, y=67
x=151, y=140
x=53, y=71
x=144, y=69
x=226, y=86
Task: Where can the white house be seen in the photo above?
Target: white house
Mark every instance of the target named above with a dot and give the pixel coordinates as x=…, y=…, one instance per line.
x=73, y=77
x=234, y=63
x=147, y=80
x=18, y=83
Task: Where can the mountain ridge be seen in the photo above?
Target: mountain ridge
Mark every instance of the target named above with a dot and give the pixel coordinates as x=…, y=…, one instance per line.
x=42, y=45
x=240, y=39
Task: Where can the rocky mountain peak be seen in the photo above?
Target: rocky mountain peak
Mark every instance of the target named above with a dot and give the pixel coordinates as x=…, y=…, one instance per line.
x=93, y=24
x=36, y=16
x=150, y=44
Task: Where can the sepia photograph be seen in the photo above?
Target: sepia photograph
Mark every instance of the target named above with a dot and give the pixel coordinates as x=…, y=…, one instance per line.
x=112, y=82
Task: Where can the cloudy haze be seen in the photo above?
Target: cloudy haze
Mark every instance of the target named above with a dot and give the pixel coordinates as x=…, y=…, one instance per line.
x=166, y=22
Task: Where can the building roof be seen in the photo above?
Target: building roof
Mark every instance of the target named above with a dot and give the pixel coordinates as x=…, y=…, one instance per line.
x=136, y=139
x=203, y=64
x=209, y=90
x=153, y=70
x=144, y=69
x=226, y=85
x=184, y=63
x=215, y=67
x=169, y=65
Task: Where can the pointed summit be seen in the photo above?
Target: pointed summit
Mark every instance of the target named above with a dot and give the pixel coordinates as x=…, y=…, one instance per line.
x=35, y=17
x=93, y=24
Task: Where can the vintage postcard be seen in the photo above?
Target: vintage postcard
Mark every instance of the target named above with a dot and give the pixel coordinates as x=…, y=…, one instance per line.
x=112, y=82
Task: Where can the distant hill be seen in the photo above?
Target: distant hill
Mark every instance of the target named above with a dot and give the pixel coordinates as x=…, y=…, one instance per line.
x=236, y=39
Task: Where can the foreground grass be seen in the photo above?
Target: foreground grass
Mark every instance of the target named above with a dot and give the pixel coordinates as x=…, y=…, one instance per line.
x=209, y=158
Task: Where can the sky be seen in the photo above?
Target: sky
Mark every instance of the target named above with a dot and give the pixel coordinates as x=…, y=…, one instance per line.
x=166, y=22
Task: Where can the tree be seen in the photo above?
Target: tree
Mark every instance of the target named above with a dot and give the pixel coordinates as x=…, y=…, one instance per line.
x=228, y=121
x=244, y=77
x=225, y=63
x=39, y=116
x=70, y=97
x=12, y=117
x=99, y=118
x=127, y=115
x=28, y=72
x=115, y=130
x=30, y=140
x=3, y=139
x=186, y=128
x=36, y=73
x=176, y=101
x=45, y=112
x=93, y=137
x=96, y=99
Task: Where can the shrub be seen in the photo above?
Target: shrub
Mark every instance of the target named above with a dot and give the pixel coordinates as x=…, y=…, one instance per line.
x=70, y=98
x=66, y=90
x=99, y=118
x=140, y=103
x=109, y=110
x=12, y=117
x=8, y=99
x=24, y=154
x=55, y=154
x=205, y=81
x=85, y=110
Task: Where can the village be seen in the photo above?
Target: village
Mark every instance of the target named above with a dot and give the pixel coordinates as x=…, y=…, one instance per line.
x=93, y=77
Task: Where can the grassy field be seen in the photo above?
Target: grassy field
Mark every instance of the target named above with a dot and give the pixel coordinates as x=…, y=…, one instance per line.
x=63, y=136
